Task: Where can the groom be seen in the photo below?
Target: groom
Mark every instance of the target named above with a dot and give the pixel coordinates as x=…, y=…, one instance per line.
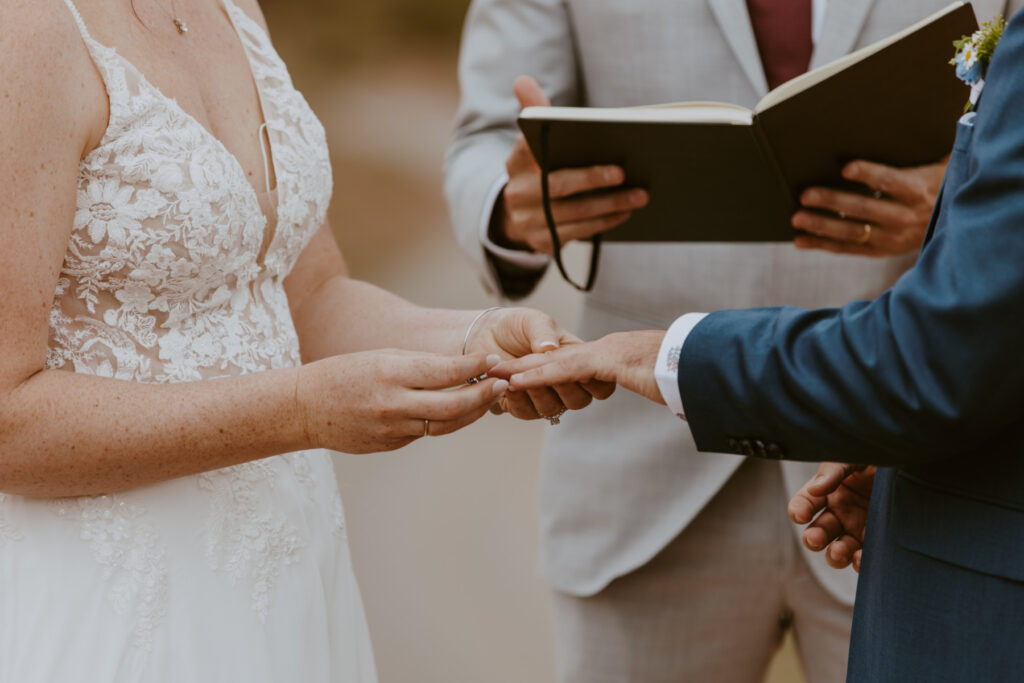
x=926, y=380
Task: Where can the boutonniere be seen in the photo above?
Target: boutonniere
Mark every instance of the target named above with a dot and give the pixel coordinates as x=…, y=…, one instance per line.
x=973, y=54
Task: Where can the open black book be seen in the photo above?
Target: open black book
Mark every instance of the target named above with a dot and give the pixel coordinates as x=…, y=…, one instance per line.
x=723, y=173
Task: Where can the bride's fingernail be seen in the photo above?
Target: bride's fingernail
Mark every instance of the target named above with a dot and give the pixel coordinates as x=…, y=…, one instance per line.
x=493, y=359
x=500, y=387
x=548, y=346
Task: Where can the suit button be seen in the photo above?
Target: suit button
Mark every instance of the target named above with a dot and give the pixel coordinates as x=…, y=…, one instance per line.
x=746, y=448
x=733, y=445
x=775, y=451
x=760, y=449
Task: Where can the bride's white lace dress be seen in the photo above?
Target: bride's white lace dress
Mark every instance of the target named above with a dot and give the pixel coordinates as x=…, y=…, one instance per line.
x=242, y=574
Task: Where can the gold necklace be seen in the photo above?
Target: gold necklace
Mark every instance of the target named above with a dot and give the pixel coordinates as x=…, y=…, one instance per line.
x=178, y=22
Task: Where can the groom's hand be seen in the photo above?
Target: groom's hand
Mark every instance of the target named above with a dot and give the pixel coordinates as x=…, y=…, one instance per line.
x=837, y=500
x=516, y=332
x=520, y=217
x=625, y=358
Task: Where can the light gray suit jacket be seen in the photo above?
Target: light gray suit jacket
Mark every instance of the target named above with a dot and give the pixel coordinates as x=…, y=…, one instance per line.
x=622, y=478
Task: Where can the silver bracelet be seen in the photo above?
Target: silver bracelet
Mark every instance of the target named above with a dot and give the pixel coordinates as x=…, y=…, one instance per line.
x=469, y=330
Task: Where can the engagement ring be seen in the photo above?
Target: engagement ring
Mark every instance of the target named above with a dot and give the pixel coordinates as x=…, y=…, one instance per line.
x=554, y=419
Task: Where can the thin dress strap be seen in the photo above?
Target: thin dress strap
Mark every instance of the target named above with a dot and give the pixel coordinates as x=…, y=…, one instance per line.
x=90, y=42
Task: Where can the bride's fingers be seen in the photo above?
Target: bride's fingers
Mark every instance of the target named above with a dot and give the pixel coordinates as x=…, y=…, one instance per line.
x=598, y=389
x=443, y=427
x=546, y=402
x=451, y=405
x=518, y=405
x=426, y=371
x=573, y=396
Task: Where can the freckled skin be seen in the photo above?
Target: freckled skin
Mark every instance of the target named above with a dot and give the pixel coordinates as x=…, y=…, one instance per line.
x=63, y=433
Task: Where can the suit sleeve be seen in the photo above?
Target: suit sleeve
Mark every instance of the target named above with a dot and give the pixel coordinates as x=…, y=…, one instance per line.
x=501, y=40
x=929, y=370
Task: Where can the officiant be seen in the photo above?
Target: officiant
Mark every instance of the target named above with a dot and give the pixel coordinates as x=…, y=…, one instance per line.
x=655, y=554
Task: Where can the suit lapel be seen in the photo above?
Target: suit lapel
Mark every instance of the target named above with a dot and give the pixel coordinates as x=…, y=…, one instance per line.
x=733, y=19
x=844, y=21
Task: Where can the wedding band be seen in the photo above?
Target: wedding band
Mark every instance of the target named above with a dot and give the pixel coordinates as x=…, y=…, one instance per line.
x=866, y=235
x=426, y=428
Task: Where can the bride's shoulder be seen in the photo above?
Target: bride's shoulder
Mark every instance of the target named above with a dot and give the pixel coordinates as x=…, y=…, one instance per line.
x=45, y=68
x=38, y=35
x=252, y=8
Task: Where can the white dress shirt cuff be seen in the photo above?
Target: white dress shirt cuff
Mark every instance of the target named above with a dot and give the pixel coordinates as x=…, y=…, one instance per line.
x=667, y=369
x=524, y=259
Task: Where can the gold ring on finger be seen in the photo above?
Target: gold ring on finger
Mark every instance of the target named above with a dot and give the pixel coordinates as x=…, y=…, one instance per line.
x=554, y=419
x=866, y=235
x=426, y=428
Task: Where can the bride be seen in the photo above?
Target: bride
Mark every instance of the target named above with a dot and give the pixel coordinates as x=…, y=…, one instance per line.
x=180, y=341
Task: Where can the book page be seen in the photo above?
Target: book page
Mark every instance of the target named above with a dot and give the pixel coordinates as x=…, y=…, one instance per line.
x=811, y=78
x=678, y=112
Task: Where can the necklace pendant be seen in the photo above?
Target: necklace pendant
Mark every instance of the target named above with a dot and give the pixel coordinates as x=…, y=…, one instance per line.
x=181, y=26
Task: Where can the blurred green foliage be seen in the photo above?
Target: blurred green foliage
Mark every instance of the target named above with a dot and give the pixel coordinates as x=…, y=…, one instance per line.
x=353, y=31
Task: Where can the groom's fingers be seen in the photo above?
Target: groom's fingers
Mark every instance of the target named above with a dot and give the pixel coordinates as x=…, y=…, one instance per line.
x=843, y=552
x=510, y=367
x=830, y=476
x=571, y=364
x=803, y=506
x=825, y=529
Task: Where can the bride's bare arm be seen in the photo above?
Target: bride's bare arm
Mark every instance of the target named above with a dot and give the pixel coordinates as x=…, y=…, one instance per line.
x=63, y=433
x=335, y=314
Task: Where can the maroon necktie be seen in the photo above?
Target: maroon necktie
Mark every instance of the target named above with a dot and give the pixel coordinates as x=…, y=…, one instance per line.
x=783, y=31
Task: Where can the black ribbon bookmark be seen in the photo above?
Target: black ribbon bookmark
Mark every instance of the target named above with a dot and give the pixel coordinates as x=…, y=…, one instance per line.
x=556, y=244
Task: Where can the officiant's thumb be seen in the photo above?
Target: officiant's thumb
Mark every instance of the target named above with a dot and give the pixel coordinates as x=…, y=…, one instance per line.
x=529, y=93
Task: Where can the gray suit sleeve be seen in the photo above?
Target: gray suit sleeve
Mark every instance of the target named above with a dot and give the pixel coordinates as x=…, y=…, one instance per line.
x=1012, y=7
x=502, y=39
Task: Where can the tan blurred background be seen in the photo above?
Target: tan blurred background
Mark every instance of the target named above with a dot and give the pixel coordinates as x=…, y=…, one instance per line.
x=443, y=532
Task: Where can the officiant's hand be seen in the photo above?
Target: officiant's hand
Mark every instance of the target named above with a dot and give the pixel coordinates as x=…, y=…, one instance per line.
x=520, y=212
x=837, y=500
x=514, y=332
x=624, y=358
x=891, y=219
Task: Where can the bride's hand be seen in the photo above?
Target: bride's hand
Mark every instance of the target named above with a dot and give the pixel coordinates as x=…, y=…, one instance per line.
x=381, y=400
x=516, y=332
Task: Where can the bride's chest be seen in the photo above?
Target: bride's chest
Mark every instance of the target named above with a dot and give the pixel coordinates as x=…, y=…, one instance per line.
x=163, y=198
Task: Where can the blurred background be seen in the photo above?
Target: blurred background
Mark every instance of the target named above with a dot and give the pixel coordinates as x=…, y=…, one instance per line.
x=443, y=532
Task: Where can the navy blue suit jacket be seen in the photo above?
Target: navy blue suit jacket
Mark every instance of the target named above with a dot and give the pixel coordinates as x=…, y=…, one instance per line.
x=927, y=380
